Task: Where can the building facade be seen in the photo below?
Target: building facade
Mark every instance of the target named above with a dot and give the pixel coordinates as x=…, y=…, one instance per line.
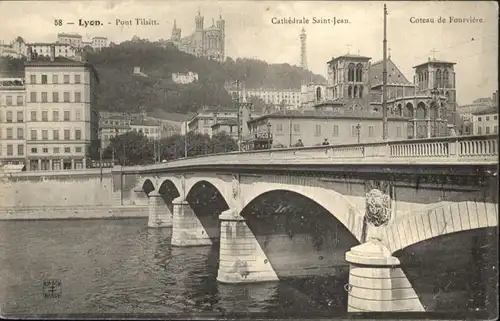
x=184, y=78
x=151, y=129
x=287, y=99
x=202, y=42
x=312, y=94
x=12, y=121
x=202, y=122
x=313, y=127
x=73, y=39
x=485, y=122
x=111, y=126
x=62, y=120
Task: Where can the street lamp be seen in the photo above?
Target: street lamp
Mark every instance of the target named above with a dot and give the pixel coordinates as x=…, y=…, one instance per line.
x=269, y=134
x=358, y=130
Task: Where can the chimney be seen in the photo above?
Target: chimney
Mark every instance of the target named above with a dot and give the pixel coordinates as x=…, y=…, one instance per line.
x=52, y=52
x=29, y=53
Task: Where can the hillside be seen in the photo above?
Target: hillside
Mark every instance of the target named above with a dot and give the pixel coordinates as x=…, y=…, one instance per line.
x=121, y=90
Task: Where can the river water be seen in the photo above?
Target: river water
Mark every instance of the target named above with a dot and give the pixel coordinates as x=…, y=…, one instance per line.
x=122, y=267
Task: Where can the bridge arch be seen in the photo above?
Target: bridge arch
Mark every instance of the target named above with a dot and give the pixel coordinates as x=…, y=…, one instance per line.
x=443, y=218
x=146, y=185
x=299, y=237
x=333, y=202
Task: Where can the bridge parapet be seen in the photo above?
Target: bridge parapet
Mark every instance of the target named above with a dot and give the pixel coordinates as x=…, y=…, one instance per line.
x=449, y=150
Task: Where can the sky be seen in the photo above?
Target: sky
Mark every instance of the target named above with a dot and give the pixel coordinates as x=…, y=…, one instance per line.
x=251, y=33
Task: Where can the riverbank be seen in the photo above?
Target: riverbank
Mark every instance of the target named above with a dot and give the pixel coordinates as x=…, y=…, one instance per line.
x=73, y=212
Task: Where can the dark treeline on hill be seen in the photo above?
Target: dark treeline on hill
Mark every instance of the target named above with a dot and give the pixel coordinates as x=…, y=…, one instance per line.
x=121, y=90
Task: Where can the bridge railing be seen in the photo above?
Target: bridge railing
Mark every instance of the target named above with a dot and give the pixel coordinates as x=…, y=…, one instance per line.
x=458, y=149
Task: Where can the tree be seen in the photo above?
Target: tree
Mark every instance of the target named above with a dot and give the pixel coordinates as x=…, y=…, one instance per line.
x=222, y=143
x=131, y=148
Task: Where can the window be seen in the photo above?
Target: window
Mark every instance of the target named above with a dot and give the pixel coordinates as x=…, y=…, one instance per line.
x=33, y=134
x=33, y=96
x=8, y=100
x=487, y=128
x=20, y=133
x=56, y=150
x=55, y=97
x=78, y=134
x=279, y=128
x=66, y=97
x=495, y=117
x=55, y=115
x=20, y=116
x=398, y=131
x=296, y=128
x=479, y=130
x=45, y=115
x=66, y=134
x=55, y=134
x=78, y=149
x=78, y=96
x=55, y=79
x=33, y=115
x=67, y=149
x=34, y=150
x=9, y=133
x=77, y=79
x=487, y=118
x=66, y=115
x=479, y=119
x=20, y=150
x=19, y=100
x=44, y=97
x=9, y=116
x=317, y=130
x=335, y=130
x=495, y=129
x=33, y=79
x=45, y=134
x=10, y=150
x=78, y=115
x=66, y=79
x=44, y=79
x=371, y=131
x=45, y=150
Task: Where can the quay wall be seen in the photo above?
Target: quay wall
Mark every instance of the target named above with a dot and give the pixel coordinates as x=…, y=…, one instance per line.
x=76, y=194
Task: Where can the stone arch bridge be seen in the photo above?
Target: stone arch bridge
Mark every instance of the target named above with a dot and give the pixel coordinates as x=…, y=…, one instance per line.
x=384, y=196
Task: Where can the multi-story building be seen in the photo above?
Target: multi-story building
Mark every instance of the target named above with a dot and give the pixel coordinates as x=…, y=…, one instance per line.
x=288, y=99
x=112, y=126
x=12, y=121
x=477, y=106
x=485, y=122
x=150, y=128
x=284, y=129
x=99, y=42
x=184, y=78
x=202, y=122
x=74, y=40
x=16, y=48
x=62, y=121
x=202, y=42
x=43, y=49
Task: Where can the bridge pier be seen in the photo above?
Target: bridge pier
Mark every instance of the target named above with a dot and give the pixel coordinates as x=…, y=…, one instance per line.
x=376, y=281
x=139, y=197
x=159, y=212
x=241, y=258
x=187, y=229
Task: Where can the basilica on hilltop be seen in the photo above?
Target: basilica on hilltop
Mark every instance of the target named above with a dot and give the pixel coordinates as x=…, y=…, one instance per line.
x=208, y=42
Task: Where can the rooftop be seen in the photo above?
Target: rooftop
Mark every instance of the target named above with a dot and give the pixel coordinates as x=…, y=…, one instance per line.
x=435, y=61
x=489, y=111
x=394, y=75
x=144, y=122
x=349, y=56
x=227, y=122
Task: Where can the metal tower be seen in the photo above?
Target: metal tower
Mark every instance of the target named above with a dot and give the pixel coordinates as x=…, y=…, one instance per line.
x=303, y=49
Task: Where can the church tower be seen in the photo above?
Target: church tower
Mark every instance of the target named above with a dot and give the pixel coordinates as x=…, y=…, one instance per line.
x=303, y=49
x=176, y=32
x=199, y=35
x=221, y=25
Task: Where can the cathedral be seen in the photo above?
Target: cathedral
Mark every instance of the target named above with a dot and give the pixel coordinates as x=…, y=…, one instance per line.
x=428, y=103
x=208, y=42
